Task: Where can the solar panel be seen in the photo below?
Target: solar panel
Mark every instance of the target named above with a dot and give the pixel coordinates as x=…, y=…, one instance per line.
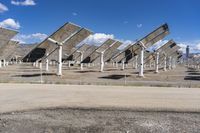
x=155, y=36
x=177, y=54
x=169, y=45
x=162, y=50
x=146, y=54
x=95, y=54
x=3, y=42
x=172, y=50
x=75, y=54
x=87, y=52
x=110, y=51
x=109, y=54
x=8, y=49
x=168, y=53
x=69, y=33
x=150, y=58
x=6, y=34
x=61, y=34
x=147, y=41
x=75, y=40
x=120, y=55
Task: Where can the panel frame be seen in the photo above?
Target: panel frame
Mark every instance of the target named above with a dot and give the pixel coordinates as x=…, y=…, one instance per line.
x=146, y=42
x=96, y=53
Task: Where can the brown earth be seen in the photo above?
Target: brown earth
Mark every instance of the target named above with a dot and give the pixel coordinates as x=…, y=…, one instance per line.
x=117, y=107
x=26, y=73
x=98, y=121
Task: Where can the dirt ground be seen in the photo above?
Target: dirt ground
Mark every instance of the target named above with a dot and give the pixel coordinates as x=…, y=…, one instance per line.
x=117, y=107
x=98, y=121
x=19, y=97
x=39, y=108
x=26, y=73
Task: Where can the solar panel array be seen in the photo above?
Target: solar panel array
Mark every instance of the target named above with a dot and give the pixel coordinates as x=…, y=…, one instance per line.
x=162, y=51
x=76, y=52
x=147, y=41
x=69, y=34
x=6, y=45
x=7, y=34
x=7, y=50
x=109, y=52
x=96, y=52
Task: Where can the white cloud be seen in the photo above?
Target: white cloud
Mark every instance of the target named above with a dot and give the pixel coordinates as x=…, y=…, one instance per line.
x=139, y=25
x=10, y=23
x=159, y=44
x=198, y=46
x=3, y=8
x=24, y=3
x=74, y=14
x=183, y=47
x=39, y=36
x=19, y=39
x=125, y=22
x=97, y=39
x=32, y=38
x=125, y=44
x=194, y=46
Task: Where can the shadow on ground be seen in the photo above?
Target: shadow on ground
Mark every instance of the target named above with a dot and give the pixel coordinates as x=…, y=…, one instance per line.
x=35, y=75
x=89, y=71
x=192, y=78
x=25, y=68
x=145, y=72
x=192, y=74
x=115, y=77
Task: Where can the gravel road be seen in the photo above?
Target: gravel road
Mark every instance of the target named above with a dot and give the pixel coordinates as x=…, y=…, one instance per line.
x=40, y=108
x=19, y=97
x=98, y=121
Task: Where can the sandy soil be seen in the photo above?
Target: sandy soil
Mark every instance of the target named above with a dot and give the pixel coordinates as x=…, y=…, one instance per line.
x=114, y=108
x=98, y=121
x=26, y=73
x=19, y=97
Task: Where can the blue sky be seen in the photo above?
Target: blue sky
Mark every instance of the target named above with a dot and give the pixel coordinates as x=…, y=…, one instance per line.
x=125, y=19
